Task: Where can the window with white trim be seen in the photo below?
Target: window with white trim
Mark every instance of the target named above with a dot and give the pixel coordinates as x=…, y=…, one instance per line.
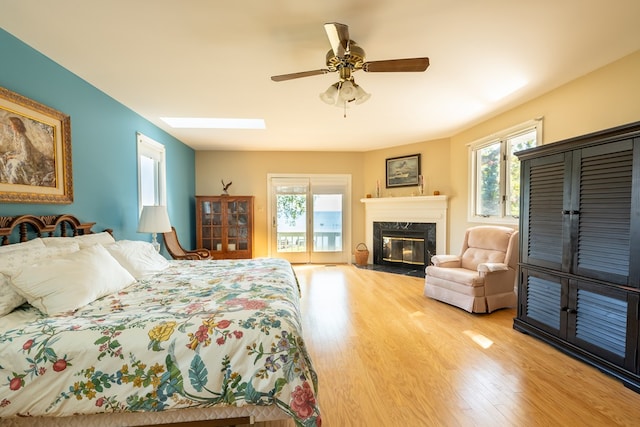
x=151, y=172
x=495, y=173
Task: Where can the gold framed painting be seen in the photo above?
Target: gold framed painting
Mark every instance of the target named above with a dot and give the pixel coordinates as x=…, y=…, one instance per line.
x=35, y=152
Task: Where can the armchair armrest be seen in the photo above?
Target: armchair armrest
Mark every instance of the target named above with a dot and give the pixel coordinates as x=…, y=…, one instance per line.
x=446, y=261
x=195, y=254
x=490, y=267
x=201, y=253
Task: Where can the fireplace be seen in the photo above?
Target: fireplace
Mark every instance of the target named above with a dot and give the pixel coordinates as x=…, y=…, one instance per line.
x=407, y=245
x=403, y=211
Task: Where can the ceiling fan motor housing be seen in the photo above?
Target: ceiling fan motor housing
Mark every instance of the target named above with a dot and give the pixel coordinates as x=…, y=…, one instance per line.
x=353, y=60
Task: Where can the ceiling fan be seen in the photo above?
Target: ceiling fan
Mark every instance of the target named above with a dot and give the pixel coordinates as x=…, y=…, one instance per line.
x=347, y=57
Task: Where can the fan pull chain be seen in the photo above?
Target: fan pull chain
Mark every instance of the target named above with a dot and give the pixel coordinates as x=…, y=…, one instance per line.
x=345, y=109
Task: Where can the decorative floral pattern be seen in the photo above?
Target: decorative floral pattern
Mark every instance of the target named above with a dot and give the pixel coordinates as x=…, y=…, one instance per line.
x=201, y=333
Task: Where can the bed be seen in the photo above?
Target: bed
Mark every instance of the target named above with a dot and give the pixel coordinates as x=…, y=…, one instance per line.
x=114, y=334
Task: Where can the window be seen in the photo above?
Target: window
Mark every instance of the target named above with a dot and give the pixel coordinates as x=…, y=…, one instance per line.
x=151, y=172
x=495, y=173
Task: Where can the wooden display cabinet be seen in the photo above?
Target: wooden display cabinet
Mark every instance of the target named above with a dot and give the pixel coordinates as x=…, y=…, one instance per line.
x=224, y=225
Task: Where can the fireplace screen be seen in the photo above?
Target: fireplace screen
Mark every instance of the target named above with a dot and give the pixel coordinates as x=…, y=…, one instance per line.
x=403, y=250
x=408, y=245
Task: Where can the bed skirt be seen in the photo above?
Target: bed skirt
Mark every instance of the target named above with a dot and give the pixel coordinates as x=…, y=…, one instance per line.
x=256, y=413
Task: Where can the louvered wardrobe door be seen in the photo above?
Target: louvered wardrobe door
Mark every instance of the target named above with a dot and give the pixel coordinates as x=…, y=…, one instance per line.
x=604, y=212
x=597, y=322
x=544, y=199
x=542, y=297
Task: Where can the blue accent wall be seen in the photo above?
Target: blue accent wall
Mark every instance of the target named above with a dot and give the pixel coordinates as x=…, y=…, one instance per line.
x=104, y=155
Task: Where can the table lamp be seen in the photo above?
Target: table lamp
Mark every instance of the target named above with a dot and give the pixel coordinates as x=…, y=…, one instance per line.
x=154, y=219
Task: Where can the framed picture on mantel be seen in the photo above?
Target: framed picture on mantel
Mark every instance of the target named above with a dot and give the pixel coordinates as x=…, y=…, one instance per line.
x=403, y=171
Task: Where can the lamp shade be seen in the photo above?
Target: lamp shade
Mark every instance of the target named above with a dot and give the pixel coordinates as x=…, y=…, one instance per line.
x=154, y=219
x=347, y=91
x=361, y=95
x=330, y=95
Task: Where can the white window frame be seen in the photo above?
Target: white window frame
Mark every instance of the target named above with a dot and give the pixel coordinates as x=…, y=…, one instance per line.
x=502, y=138
x=154, y=150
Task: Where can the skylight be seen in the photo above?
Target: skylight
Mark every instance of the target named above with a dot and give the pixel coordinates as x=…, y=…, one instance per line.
x=213, y=123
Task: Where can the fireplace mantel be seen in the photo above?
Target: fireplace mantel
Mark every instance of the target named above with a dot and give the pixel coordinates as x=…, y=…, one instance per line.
x=431, y=209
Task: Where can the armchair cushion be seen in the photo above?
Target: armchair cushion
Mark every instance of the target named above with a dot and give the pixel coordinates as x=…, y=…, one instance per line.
x=472, y=257
x=457, y=275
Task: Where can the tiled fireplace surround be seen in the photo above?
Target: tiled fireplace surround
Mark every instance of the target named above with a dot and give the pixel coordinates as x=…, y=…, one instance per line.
x=418, y=209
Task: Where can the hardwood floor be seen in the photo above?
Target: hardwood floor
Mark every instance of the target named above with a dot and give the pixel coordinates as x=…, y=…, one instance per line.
x=388, y=356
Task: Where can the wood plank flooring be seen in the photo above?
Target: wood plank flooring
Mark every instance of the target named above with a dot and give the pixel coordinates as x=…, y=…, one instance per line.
x=388, y=356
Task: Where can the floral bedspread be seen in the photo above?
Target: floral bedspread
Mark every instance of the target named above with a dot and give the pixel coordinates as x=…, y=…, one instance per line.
x=199, y=334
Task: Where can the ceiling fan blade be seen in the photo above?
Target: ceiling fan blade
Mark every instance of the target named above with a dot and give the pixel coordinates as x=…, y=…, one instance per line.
x=396, y=65
x=338, y=35
x=283, y=77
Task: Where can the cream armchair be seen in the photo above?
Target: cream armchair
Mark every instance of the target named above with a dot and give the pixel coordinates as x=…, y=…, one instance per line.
x=482, y=278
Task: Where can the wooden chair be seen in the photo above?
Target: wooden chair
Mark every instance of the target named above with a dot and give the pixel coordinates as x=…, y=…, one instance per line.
x=178, y=252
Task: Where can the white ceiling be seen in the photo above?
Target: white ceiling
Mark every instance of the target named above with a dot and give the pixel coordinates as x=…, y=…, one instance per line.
x=211, y=58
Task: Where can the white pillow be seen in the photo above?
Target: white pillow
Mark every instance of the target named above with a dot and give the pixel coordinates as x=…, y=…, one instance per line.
x=84, y=240
x=13, y=261
x=59, y=241
x=34, y=243
x=67, y=283
x=138, y=257
x=9, y=298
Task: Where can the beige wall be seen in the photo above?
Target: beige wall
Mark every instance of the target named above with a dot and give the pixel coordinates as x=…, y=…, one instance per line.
x=248, y=172
x=602, y=99
x=605, y=98
x=434, y=165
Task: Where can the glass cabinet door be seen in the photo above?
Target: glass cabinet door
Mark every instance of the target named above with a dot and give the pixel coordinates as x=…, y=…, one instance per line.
x=237, y=226
x=211, y=225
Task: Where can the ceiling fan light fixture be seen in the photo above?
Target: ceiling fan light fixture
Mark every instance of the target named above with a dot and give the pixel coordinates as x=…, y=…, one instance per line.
x=361, y=95
x=330, y=96
x=351, y=92
x=342, y=93
x=347, y=91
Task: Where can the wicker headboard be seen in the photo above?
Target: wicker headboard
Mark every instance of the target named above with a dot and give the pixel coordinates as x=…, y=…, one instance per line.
x=31, y=226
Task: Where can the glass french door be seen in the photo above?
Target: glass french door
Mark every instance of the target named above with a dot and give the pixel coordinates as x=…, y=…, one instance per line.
x=310, y=218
